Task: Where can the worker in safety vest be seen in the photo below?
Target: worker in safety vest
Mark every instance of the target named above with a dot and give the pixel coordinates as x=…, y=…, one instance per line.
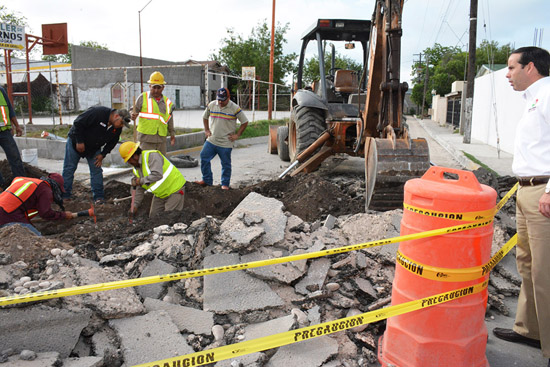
x=155, y=116
x=154, y=173
x=27, y=197
x=9, y=126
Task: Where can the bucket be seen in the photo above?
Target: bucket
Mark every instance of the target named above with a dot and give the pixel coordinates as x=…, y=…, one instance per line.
x=30, y=156
x=450, y=334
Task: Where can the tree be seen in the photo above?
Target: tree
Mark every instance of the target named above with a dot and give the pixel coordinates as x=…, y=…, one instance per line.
x=67, y=58
x=237, y=52
x=311, y=66
x=448, y=64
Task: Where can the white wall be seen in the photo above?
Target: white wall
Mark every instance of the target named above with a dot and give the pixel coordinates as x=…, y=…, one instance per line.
x=492, y=93
x=439, y=107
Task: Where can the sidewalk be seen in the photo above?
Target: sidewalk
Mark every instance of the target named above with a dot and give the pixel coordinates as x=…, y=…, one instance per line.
x=452, y=142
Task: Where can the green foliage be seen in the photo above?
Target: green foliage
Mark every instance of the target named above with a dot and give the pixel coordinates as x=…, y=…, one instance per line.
x=311, y=66
x=41, y=103
x=449, y=64
x=237, y=52
x=260, y=128
x=67, y=58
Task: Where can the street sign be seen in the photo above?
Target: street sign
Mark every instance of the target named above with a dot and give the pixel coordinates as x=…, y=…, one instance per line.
x=249, y=72
x=12, y=37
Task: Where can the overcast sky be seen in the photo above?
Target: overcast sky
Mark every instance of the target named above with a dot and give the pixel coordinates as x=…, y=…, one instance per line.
x=178, y=30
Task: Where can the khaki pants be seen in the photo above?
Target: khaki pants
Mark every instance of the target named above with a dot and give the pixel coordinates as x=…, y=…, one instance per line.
x=172, y=202
x=152, y=142
x=533, y=258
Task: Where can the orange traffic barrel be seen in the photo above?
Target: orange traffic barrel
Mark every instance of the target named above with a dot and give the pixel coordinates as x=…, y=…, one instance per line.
x=449, y=334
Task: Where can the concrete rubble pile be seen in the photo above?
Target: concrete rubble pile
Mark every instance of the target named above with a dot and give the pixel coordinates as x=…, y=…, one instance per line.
x=129, y=326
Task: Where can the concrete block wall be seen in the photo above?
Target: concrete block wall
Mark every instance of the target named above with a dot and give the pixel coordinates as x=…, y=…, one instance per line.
x=55, y=149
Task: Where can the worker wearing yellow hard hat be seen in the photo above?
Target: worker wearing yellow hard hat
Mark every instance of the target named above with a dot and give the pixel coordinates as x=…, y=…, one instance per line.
x=154, y=113
x=155, y=174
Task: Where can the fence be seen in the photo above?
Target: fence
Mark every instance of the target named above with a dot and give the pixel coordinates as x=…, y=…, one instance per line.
x=59, y=92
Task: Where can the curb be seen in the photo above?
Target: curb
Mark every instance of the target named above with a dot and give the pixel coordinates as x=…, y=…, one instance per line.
x=458, y=155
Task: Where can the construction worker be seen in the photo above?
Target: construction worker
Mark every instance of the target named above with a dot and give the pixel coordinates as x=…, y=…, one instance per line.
x=94, y=133
x=9, y=126
x=154, y=173
x=27, y=197
x=155, y=116
x=220, y=135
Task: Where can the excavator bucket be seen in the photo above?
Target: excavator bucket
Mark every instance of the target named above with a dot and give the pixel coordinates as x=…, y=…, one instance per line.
x=388, y=165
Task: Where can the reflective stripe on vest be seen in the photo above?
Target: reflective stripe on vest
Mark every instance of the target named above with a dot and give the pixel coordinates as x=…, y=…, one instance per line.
x=4, y=110
x=18, y=192
x=172, y=180
x=151, y=119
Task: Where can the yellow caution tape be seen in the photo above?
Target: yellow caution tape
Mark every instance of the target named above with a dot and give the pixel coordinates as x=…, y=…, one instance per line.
x=30, y=297
x=58, y=293
x=467, y=216
x=310, y=332
x=454, y=275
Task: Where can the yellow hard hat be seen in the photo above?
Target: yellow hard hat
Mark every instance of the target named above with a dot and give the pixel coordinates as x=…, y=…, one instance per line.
x=156, y=78
x=127, y=150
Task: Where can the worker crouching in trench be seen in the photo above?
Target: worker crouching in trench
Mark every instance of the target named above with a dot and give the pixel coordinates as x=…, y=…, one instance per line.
x=153, y=173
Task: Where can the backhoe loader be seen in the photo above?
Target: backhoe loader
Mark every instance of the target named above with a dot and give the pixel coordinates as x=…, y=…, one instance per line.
x=358, y=113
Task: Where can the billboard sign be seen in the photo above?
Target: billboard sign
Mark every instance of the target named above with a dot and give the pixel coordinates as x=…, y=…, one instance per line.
x=12, y=37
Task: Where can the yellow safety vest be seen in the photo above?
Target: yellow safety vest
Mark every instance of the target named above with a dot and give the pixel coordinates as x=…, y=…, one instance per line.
x=172, y=180
x=151, y=121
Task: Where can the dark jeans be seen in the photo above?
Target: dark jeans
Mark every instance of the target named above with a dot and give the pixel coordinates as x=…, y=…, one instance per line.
x=70, y=164
x=7, y=142
x=208, y=152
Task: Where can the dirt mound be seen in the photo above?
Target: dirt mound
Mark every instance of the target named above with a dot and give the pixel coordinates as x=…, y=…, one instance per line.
x=30, y=171
x=311, y=197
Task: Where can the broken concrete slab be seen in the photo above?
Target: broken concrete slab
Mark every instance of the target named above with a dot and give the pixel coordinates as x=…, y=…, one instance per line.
x=366, y=287
x=248, y=360
x=235, y=291
x=311, y=353
x=155, y=267
x=186, y=318
x=83, y=362
x=52, y=329
x=315, y=277
x=285, y=273
x=271, y=327
x=110, y=304
x=149, y=338
x=266, y=213
x=46, y=359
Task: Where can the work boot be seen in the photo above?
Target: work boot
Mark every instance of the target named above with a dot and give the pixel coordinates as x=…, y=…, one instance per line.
x=225, y=187
x=511, y=336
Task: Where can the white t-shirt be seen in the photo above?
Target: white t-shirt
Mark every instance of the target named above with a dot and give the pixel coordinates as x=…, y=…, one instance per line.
x=532, y=143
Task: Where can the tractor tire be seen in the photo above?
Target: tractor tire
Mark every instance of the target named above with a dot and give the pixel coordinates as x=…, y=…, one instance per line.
x=282, y=143
x=310, y=124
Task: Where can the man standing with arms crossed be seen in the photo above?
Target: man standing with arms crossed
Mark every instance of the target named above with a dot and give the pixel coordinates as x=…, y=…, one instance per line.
x=220, y=133
x=528, y=70
x=155, y=116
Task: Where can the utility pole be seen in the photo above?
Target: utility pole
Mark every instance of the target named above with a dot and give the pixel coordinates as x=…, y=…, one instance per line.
x=420, y=111
x=471, y=74
x=271, y=57
x=426, y=78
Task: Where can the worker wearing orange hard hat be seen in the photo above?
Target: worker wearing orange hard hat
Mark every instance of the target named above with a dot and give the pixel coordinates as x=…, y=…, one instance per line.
x=155, y=174
x=154, y=113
